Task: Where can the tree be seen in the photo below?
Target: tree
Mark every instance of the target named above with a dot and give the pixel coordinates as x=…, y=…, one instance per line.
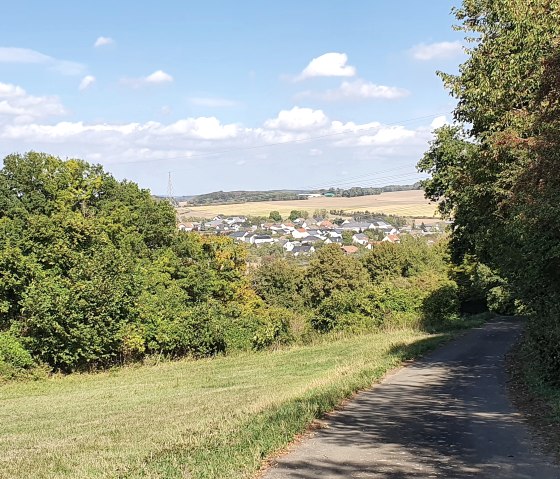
x=275, y=216
x=295, y=214
x=500, y=177
x=331, y=270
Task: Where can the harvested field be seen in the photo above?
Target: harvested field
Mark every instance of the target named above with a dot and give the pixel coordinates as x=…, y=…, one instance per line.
x=403, y=203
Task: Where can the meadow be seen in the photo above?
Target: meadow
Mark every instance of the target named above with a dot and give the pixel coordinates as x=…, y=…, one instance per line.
x=403, y=203
x=211, y=418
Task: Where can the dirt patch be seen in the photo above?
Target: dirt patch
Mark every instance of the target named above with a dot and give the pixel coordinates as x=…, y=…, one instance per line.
x=535, y=409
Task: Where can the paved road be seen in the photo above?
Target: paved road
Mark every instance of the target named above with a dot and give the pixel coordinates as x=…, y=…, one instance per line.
x=447, y=416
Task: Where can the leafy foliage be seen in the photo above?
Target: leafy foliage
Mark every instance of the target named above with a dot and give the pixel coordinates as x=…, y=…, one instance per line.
x=499, y=178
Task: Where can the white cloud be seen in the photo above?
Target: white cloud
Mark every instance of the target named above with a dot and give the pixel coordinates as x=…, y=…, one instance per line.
x=103, y=41
x=199, y=145
x=213, y=102
x=26, y=55
x=357, y=90
x=18, y=106
x=387, y=135
x=438, y=122
x=159, y=76
x=203, y=128
x=86, y=82
x=431, y=51
x=328, y=65
x=156, y=78
x=297, y=119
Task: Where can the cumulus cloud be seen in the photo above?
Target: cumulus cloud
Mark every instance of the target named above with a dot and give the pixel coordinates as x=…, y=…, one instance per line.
x=103, y=41
x=297, y=119
x=86, y=82
x=158, y=77
x=358, y=90
x=16, y=105
x=438, y=122
x=31, y=122
x=26, y=55
x=431, y=51
x=331, y=64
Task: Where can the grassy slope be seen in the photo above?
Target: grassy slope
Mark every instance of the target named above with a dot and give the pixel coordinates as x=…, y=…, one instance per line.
x=208, y=418
x=406, y=203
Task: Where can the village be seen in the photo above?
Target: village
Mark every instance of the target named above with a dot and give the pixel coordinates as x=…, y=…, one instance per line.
x=302, y=236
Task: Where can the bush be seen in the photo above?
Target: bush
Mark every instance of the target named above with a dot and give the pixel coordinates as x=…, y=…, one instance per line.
x=345, y=310
x=15, y=360
x=500, y=301
x=440, y=309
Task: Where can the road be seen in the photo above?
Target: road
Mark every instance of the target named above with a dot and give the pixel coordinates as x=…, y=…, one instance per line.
x=447, y=415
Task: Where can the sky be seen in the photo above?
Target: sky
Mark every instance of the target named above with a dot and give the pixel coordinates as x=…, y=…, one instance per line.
x=228, y=95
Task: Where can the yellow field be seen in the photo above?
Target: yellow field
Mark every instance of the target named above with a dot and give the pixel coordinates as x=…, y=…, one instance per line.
x=403, y=203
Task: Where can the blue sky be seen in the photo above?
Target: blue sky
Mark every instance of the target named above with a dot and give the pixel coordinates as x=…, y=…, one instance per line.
x=229, y=95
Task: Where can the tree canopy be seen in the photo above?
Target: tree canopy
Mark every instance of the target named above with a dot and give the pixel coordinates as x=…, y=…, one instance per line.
x=498, y=171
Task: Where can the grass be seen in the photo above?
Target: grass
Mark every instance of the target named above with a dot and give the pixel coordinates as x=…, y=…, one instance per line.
x=215, y=418
x=404, y=203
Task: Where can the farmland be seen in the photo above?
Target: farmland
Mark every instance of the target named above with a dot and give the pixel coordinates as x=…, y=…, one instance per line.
x=403, y=203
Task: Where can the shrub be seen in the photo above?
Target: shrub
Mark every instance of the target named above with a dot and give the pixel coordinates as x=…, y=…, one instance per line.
x=345, y=310
x=16, y=361
x=440, y=308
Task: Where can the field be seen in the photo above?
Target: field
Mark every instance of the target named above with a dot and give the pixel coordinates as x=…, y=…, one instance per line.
x=404, y=203
x=215, y=418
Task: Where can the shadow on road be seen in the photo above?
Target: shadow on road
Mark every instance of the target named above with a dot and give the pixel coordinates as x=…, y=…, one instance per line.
x=447, y=415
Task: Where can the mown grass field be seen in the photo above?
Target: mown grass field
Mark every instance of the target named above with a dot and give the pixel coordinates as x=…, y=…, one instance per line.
x=404, y=203
x=215, y=418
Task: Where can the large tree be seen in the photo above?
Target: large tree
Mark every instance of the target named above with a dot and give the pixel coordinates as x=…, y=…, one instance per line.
x=498, y=171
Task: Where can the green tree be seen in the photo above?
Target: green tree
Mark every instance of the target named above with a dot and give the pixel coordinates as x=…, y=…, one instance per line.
x=295, y=214
x=500, y=180
x=275, y=216
x=331, y=270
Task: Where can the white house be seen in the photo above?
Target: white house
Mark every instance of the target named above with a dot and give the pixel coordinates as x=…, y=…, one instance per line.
x=360, y=238
x=300, y=233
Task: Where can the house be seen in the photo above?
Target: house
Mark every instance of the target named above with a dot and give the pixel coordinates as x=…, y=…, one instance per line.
x=288, y=246
x=311, y=239
x=391, y=239
x=239, y=220
x=333, y=239
x=302, y=250
x=356, y=226
x=186, y=226
x=262, y=239
x=350, y=249
x=326, y=224
x=215, y=224
x=360, y=239
x=238, y=235
x=300, y=233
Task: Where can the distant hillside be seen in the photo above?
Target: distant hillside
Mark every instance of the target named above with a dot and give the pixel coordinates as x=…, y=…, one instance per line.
x=225, y=197
x=228, y=197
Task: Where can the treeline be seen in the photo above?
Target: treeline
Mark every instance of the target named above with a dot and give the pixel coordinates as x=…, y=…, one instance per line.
x=93, y=273
x=224, y=197
x=365, y=191
x=497, y=170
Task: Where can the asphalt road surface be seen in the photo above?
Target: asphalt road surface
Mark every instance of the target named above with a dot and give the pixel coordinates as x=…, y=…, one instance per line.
x=447, y=415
